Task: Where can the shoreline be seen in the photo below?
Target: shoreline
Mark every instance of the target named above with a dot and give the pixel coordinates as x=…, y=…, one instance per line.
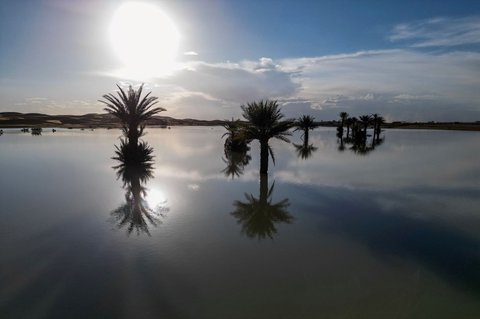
x=89, y=121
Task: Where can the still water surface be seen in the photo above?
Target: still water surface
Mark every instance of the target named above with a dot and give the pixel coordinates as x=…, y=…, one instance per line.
x=394, y=233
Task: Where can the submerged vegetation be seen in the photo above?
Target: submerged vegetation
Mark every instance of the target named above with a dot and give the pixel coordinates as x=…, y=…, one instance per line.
x=357, y=132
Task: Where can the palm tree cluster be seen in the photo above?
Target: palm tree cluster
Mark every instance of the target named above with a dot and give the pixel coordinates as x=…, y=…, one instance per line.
x=358, y=127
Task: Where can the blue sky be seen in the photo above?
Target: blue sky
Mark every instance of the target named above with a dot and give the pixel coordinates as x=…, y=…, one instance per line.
x=407, y=60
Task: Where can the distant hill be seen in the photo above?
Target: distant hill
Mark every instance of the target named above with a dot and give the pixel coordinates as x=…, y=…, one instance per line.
x=92, y=120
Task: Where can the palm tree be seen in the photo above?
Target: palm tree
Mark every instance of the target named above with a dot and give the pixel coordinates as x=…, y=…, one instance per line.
x=343, y=116
x=132, y=110
x=236, y=140
x=264, y=122
x=349, y=122
x=365, y=120
x=305, y=124
x=258, y=216
x=378, y=127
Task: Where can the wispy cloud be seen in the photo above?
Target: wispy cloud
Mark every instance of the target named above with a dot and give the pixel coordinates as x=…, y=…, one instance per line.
x=439, y=32
x=190, y=53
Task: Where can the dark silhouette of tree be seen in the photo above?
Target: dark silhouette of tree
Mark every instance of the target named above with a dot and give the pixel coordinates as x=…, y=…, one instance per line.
x=305, y=124
x=358, y=138
x=349, y=122
x=132, y=110
x=265, y=122
x=135, y=169
x=365, y=120
x=258, y=216
x=237, y=140
x=377, y=125
x=343, y=118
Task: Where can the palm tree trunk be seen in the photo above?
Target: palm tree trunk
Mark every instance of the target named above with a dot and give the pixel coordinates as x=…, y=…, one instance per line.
x=305, y=136
x=348, y=130
x=378, y=131
x=263, y=188
x=263, y=157
x=133, y=134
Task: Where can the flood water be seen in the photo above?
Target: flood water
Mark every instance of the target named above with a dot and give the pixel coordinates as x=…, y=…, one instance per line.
x=389, y=233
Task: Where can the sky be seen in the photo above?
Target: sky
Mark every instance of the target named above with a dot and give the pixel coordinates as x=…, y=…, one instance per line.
x=406, y=60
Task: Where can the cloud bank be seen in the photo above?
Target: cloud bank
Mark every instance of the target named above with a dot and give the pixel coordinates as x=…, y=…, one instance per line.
x=402, y=84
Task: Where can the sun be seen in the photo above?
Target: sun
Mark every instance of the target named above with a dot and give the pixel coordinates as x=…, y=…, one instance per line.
x=145, y=39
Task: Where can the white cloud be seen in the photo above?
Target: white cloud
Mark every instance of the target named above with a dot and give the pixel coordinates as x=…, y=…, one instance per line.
x=399, y=84
x=192, y=53
x=235, y=83
x=402, y=84
x=438, y=32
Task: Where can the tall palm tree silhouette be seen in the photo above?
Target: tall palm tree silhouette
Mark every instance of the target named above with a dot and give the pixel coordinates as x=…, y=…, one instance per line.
x=365, y=120
x=349, y=122
x=378, y=127
x=305, y=124
x=259, y=216
x=265, y=122
x=132, y=110
x=135, y=169
x=343, y=117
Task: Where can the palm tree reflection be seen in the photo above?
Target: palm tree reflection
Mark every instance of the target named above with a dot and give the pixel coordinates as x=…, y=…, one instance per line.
x=259, y=216
x=236, y=162
x=305, y=150
x=135, y=169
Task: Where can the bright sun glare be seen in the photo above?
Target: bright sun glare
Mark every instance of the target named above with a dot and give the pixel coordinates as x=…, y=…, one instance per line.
x=145, y=39
x=155, y=197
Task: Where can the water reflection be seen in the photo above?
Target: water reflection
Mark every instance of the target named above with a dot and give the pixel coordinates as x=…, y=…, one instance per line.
x=135, y=169
x=259, y=216
x=304, y=150
x=235, y=161
x=359, y=144
x=441, y=247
